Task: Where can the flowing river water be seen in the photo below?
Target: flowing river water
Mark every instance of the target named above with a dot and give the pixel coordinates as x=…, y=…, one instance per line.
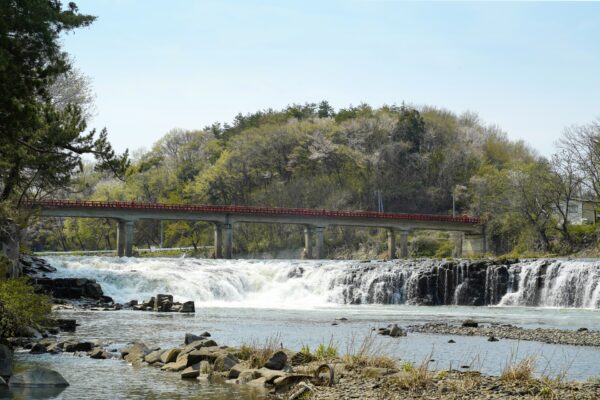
x=246, y=301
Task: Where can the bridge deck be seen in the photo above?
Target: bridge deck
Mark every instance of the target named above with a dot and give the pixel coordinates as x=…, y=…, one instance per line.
x=244, y=210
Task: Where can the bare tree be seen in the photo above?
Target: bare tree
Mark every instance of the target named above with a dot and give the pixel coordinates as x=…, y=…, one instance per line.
x=582, y=143
x=75, y=88
x=565, y=180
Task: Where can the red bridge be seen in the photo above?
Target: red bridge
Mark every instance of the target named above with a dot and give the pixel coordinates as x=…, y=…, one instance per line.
x=224, y=217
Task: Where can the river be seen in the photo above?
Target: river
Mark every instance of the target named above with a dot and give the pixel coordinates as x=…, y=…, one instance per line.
x=249, y=301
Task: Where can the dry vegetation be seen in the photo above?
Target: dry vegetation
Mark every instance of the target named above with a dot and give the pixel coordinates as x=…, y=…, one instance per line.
x=367, y=353
x=257, y=355
x=520, y=371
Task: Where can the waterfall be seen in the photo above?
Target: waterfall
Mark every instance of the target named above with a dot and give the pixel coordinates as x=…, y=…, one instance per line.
x=300, y=284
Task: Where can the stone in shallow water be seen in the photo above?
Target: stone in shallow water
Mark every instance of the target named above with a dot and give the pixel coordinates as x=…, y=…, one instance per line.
x=396, y=331
x=71, y=347
x=198, y=344
x=169, y=355
x=190, y=337
x=163, y=302
x=38, y=377
x=469, y=323
x=98, y=354
x=38, y=348
x=188, y=307
x=5, y=361
x=135, y=353
x=225, y=362
x=66, y=325
x=153, y=357
x=191, y=372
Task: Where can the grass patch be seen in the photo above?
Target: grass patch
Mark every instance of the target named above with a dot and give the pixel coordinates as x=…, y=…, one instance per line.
x=519, y=371
x=413, y=377
x=258, y=354
x=459, y=382
x=367, y=353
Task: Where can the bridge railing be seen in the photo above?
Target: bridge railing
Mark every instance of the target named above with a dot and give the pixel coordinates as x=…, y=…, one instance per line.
x=246, y=210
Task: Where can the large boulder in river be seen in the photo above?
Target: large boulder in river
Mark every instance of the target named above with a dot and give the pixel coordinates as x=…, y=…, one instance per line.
x=38, y=377
x=469, y=323
x=69, y=288
x=396, y=331
x=153, y=357
x=135, y=353
x=73, y=346
x=163, y=302
x=34, y=266
x=191, y=372
x=38, y=348
x=190, y=337
x=66, y=325
x=169, y=355
x=225, y=362
x=5, y=361
x=198, y=344
x=188, y=307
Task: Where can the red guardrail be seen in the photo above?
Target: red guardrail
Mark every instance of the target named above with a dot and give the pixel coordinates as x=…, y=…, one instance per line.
x=246, y=210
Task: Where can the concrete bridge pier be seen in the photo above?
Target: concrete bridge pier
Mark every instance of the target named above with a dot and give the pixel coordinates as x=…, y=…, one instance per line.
x=228, y=240
x=458, y=244
x=320, y=244
x=474, y=245
x=404, y=243
x=125, y=238
x=218, y=252
x=391, y=243
x=308, y=242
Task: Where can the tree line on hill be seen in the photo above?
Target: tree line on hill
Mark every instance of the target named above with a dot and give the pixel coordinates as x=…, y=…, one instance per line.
x=413, y=159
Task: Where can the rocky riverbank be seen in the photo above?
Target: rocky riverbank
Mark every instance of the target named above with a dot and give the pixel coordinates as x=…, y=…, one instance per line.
x=287, y=374
x=579, y=337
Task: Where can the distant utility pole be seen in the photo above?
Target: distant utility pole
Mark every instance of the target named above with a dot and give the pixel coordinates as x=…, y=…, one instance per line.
x=457, y=189
x=453, y=203
x=161, y=234
x=378, y=195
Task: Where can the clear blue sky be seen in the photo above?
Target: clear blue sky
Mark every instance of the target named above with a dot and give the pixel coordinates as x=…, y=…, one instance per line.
x=530, y=68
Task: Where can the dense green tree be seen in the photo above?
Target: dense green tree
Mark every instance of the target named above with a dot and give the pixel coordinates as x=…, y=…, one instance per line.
x=41, y=143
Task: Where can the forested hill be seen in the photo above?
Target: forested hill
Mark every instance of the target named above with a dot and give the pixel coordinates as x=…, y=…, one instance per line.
x=312, y=156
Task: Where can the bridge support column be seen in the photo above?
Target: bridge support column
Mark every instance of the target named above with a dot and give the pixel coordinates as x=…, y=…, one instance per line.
x=125, y=238
x=320, y=243
x=218, y=251
x=228, y=241
x=458, y=245
x=308, y=243
x=403, y=244
x=391, y=242
x=128, y=238
x=473, y=245
x=120, y=238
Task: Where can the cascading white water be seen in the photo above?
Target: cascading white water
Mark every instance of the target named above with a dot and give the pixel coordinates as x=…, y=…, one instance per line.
x=307, y=284
x=555, y=284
